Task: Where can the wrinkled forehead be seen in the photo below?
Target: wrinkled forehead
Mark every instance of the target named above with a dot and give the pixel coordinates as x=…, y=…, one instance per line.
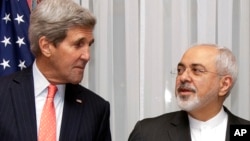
x=205, y=55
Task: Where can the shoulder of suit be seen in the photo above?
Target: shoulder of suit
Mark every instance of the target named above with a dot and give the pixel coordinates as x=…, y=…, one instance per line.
x=86, y=93
x=17, y=76
x=168, y=117
x=234, y=119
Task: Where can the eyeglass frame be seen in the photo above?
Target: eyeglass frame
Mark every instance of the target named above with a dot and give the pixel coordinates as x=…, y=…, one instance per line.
x=195, y=71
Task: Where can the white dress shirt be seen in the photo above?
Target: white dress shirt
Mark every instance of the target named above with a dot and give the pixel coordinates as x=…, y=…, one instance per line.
x=211, y=130
x=41, y=90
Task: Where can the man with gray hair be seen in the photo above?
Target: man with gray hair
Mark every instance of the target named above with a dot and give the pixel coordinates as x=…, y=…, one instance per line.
x=45, y=101
x=205, y=76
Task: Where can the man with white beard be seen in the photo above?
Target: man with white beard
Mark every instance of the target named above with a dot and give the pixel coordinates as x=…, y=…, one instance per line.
x=205, y=75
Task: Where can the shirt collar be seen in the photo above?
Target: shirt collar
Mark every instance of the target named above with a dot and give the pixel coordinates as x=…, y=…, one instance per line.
x=41, y=83
x=211, y=123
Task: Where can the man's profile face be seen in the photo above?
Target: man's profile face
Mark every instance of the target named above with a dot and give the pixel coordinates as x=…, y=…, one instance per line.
x=70, y=57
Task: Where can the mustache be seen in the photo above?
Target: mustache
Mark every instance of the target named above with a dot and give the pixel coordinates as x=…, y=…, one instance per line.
x=186, y=87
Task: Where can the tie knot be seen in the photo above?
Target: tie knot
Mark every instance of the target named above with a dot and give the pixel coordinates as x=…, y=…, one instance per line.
x=51, y=91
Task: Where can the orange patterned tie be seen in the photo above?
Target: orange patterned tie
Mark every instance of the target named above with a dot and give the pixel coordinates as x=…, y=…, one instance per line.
x=47, y=130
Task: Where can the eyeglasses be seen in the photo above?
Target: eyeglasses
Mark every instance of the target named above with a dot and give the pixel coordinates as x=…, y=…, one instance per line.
x=195, y=69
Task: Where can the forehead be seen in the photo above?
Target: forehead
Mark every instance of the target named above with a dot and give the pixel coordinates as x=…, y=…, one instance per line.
x=79, y=32
x=204, y=55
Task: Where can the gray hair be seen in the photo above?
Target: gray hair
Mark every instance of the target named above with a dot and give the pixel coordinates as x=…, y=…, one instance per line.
x=53, y=18
x=226, y=63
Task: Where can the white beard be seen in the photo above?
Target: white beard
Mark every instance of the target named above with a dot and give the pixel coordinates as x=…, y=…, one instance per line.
x=192, y=102
x=188, y=103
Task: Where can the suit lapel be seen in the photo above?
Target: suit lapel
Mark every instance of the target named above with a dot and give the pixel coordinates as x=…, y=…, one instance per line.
x=180, y=130
x=231, y=120
x=22, y=93
x=71, y=113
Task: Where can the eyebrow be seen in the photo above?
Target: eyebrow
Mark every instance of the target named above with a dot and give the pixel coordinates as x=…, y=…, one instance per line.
x=91, y=42
x=84, y=39
x=198, y=65
x=192, y=65
x=181, y=64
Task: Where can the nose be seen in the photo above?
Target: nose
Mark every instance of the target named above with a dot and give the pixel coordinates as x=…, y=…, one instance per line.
x=185, y=76
x=85, y=55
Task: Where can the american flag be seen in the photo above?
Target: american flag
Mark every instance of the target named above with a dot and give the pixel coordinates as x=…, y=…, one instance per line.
x=15, y=53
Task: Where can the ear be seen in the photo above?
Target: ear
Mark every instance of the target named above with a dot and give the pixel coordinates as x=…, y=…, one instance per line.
x=225, y=85
x=44, y=45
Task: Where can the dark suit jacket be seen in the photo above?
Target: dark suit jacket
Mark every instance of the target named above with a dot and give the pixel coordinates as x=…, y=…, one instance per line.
x=86, y=121
x=172, y=127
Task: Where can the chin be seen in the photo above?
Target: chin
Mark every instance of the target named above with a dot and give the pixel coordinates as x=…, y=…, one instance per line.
x=76, y=79
x=75, y=82
x=188, y=104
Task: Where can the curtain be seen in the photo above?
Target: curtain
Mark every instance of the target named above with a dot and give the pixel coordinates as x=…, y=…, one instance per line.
x=139, y=42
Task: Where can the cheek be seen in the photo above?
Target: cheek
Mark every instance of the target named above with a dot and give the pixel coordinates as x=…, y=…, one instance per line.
x=67, y=63
x=63, y=62
x=204, y=86
x=177, y=81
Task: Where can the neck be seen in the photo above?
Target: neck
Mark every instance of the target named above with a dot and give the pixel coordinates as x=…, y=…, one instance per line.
x=205, y=113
